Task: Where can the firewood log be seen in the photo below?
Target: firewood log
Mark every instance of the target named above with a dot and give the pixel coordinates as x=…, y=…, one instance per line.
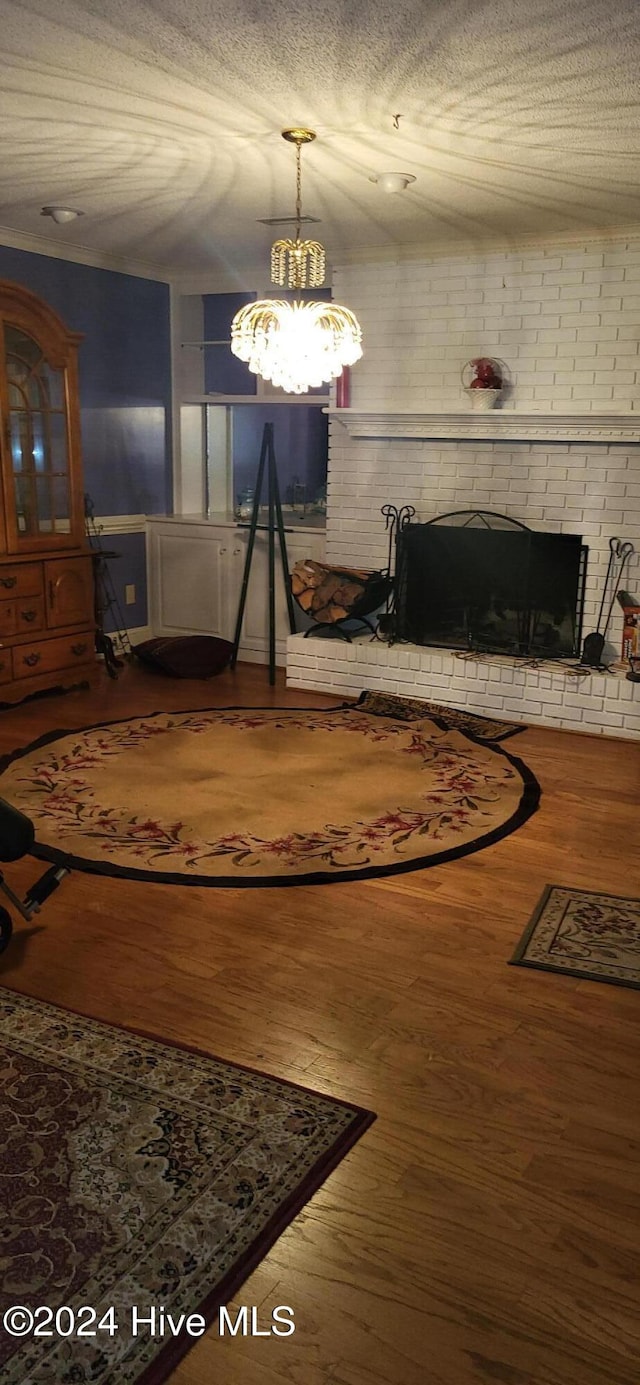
x=327, y=593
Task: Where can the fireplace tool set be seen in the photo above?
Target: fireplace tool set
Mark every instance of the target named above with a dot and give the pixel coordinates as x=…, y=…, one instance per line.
x=619, y=555
x=395, y=520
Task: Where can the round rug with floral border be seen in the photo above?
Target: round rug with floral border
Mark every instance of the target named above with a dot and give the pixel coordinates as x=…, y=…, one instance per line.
x=264, y=796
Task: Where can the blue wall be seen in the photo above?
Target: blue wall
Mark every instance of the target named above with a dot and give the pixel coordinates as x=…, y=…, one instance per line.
x=128, y=568
x=223, y=372
x=125, y=391
x=125, y=375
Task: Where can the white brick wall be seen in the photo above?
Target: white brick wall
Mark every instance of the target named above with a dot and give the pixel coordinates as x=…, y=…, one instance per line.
x=566, y=320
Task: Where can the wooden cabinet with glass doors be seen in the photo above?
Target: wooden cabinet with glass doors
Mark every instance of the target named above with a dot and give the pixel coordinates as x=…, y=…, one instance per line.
x=47, y=624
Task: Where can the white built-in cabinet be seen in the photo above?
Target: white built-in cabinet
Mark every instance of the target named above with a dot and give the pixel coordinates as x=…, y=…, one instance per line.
x=196, y=570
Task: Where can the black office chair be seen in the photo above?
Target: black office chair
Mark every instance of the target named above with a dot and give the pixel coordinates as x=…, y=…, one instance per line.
x=17, y=837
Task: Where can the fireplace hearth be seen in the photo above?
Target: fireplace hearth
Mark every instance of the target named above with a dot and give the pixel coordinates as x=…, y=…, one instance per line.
x=483, y=582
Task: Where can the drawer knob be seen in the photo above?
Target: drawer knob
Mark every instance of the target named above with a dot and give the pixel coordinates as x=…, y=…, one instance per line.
x=8, y=582
x=28, y=615
x=79, y=649
x=31, y=660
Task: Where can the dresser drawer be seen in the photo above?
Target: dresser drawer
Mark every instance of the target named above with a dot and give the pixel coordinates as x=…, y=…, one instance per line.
x=22, y=616
x=45, y=656
x=21, y=579
x=30, y=615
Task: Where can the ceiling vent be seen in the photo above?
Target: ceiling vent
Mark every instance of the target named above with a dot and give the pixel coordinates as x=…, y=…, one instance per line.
x=288, y=220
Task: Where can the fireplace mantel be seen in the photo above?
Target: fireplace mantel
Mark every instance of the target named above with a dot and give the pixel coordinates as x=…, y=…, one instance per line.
x=495, y=425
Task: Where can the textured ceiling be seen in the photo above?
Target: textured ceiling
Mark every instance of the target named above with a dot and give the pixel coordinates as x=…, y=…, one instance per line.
x=161, y=120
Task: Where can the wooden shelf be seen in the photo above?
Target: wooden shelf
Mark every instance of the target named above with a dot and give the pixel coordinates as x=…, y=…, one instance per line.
x=321, y=400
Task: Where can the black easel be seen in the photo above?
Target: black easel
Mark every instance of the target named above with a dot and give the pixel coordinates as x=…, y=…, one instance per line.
x=274, y=521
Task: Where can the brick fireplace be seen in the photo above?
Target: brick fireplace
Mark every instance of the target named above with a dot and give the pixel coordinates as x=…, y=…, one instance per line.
x=561, y=454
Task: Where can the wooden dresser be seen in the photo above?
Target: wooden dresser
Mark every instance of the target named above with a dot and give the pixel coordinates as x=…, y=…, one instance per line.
x=47, y=623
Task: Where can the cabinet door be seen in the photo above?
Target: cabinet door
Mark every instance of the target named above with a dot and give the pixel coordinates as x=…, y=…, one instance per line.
x=196, y=582
x=190, y=583
x=68, y=587
x=40, y=433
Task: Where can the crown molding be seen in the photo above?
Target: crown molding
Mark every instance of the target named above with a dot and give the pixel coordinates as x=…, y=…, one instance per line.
x=220, y=281
x=481, y=247
x=82, y=254
x=491, y=426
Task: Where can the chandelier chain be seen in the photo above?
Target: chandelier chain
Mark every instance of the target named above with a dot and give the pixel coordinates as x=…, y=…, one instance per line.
x=298, y=190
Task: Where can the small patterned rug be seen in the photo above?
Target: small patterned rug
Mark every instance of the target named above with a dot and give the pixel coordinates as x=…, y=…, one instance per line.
x=264, y=796
x=583, y=933
x=139, y=1181
x=454, y=718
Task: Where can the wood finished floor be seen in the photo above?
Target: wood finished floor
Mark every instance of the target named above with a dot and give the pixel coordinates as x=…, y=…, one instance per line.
x=485, y=1229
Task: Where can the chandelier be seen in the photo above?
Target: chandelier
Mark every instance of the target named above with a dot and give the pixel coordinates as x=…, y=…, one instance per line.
x=297, y=345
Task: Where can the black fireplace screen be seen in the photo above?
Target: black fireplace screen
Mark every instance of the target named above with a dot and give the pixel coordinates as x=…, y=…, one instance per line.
x=499, y=590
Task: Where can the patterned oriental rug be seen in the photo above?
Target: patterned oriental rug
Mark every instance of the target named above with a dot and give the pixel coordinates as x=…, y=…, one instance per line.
x=140, y=1183
x=583, y=933
x=484, y=728
x=260, y=797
